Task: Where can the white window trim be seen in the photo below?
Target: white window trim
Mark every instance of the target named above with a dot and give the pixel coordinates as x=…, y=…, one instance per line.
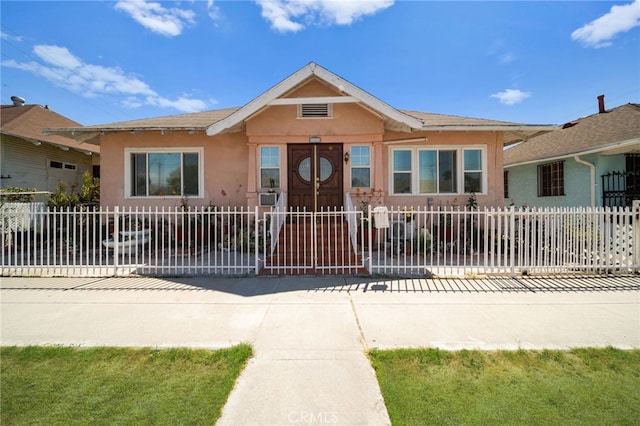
x=145, y=150
x=73, y=167
x=350, y=167
x=415, y=180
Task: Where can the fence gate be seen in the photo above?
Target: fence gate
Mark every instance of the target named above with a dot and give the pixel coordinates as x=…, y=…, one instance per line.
x=312, y=243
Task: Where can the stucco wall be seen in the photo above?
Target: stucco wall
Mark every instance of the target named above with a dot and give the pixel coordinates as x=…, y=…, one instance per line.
x=523, y=182
x=225, y=167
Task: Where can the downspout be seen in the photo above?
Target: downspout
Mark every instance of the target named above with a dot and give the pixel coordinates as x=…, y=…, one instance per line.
x=592, y=170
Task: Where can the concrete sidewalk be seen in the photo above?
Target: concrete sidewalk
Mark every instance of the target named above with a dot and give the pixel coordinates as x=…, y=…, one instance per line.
x=310, y=335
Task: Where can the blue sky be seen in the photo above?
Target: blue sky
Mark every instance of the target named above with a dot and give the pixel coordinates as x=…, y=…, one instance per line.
x=99, y=62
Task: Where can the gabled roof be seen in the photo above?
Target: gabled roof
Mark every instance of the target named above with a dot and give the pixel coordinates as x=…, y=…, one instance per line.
x=614, y=131
x=393, y=117
x=27, y=122
x=233, y=119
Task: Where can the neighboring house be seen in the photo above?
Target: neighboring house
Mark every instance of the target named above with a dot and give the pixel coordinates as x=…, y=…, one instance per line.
x=30, y=159
x=592, y=161
x=314, y=136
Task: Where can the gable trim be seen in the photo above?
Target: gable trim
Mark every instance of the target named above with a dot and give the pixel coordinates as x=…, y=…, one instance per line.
x=312, y=69
x=314, y=100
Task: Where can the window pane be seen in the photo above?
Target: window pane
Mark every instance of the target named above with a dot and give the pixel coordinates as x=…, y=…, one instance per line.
x=139, y=174
x=164, y=174
x=270, y=156
x=360, y=167
x=473, y=182
x=360, y=156
x=551, y=179
x=360, y=178
x=269, y=167
x=428, y=169
x=447, y=173
x=402, y=183
x=401, y=161
x=472, y=159
x=190, y=174
x=267, y=174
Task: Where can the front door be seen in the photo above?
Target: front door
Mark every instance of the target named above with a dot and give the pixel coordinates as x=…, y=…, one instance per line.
x=315, y=176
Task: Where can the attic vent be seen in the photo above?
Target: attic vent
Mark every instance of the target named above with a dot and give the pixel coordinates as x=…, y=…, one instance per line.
x=314, y=110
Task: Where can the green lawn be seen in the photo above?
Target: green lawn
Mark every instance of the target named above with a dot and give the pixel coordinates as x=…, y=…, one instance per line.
x=62, y=385
x=577, y=387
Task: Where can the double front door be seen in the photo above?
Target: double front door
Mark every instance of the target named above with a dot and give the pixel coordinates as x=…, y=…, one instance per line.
x=315, y=176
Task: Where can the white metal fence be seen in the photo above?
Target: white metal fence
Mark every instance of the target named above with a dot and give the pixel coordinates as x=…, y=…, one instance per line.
x=452, y=241
x=93, y=241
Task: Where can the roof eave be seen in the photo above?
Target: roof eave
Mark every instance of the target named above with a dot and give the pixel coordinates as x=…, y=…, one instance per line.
x=57, y=145
x=572, y=154
x=518, y=132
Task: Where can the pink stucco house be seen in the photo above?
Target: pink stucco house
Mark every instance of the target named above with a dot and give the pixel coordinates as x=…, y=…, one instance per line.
x=315, y=136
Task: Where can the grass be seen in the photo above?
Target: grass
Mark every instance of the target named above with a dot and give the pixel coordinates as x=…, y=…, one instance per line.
x=100, y=386
x=576, y=387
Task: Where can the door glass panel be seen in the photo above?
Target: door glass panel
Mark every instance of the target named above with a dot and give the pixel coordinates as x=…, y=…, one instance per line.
x=304, y=169
x=326, y=169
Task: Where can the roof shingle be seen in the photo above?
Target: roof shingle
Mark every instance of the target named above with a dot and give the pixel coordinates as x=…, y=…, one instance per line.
x=585, y=134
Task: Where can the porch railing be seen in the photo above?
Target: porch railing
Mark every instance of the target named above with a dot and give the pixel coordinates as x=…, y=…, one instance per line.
x=93, y=241
x=278, y=219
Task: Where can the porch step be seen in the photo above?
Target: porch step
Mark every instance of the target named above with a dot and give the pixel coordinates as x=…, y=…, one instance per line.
x=331, y=253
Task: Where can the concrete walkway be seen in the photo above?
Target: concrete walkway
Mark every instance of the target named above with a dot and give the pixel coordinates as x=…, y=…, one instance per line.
x=310, y=335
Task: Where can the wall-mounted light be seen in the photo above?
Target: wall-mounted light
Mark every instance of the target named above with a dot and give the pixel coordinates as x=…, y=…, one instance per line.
x=314, y=139
x=346, y=157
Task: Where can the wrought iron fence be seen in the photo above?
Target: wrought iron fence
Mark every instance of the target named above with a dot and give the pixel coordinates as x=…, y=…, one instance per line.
x=94, y=241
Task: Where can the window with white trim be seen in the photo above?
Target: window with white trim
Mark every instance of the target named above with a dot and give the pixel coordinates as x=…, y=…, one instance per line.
x=269, y=167
x=54, y=164
x=360, y=167
x=164, y=172
x=446, y=170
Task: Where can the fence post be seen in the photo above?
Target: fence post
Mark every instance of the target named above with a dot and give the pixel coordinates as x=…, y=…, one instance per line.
x=512, y=241
x=256, y=233
x=369, y=230
x=635, y=220
x=116, y=233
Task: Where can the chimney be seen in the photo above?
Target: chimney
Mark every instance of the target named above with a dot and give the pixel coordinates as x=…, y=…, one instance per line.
x=17, y=101
x=601, y=108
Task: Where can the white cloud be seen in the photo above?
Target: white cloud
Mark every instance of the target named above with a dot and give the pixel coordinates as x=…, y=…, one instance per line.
x=511, y=96
x=5, y=36
x=62, y=68
x=153, y=16
x=213, y=10
x=599, y=32
x=285, y=15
